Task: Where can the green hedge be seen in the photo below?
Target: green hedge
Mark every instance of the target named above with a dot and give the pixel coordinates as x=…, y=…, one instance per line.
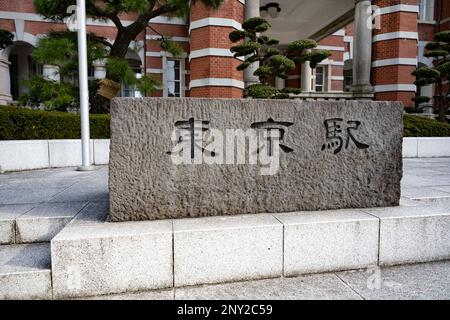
x=423, y=127
x=25, y=124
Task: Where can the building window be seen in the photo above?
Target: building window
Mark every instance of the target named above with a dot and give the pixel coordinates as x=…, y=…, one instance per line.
x=426, y=10
x=173, y=78
x=131, y=91
x=321, y=79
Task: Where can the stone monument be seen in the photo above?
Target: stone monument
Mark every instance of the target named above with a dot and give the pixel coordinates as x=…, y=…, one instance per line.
x=175, y=158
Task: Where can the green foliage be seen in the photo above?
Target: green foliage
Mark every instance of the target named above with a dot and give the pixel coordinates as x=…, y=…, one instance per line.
x=261, y=91
x=425, y=72
x=253, y=24
x=444, y=69
x=257, y=47
x=438, y=74
x=25, y=124
x=415, y=126
x=119, y=70
x=435, y=53
x=61, y=49
x=316, y=57
x=298, y=46
x=147, y=84
x=57, y=9
x=6, y=38
x=292, y=90
x=55, y=96
x=443, y=36
x=245, y=48
x=420, y=100
x=171, y=46
x=236, y=36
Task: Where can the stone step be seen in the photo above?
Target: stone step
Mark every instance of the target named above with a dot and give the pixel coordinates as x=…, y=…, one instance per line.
x=25, y=271
x=35, y=223
x=197, y=251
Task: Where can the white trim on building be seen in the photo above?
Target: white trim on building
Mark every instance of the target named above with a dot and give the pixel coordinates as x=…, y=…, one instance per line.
x=217, y=82
x=395, y=87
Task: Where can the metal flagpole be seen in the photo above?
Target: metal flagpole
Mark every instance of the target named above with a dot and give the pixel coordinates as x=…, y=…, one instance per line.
x=83, y=82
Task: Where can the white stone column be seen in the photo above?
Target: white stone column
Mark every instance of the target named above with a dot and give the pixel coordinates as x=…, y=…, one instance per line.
x=99, y=69
x=251, y=11
x=51, y=72
x=362, y=47
x=306, y=77
x=280, y=83
x=5, y=85
x=427, y=91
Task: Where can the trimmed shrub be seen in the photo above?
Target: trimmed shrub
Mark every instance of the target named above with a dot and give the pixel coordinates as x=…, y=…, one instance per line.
x=26, y=124
x=423, y=127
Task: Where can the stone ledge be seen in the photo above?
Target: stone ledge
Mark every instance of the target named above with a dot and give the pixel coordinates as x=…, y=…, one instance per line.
x=103, y=258
x=328, y=241
x=214, y=250
x=97, y=257
x=413, y=234
x=18, y=155
x=25, y=272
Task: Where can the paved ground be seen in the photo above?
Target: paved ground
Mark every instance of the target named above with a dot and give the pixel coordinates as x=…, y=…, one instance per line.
x=424, y=180
x=429, y=281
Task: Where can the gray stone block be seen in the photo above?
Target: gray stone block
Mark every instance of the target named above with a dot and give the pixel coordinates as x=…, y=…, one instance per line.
x=25, y=272
x=90, y=259
x=329, y=241
x=413, y=234
x=146, y=184
x=8, y=216
x=224, y=249
x=43, y=222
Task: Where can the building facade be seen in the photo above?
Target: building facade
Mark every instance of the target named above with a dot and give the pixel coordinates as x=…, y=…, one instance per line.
x=375, y=46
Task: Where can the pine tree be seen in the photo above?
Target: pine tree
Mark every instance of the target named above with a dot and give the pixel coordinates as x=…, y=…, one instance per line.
x=257, y=47
x=118, y=69
x=439, y=50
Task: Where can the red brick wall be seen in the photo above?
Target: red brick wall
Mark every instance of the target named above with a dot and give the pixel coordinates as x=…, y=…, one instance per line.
x=207, y=37
x=392, y=49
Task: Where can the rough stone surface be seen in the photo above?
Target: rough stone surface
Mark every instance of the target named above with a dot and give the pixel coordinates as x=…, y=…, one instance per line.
x=145, y=184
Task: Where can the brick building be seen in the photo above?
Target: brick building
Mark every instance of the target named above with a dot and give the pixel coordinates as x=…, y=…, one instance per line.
x=365, y=61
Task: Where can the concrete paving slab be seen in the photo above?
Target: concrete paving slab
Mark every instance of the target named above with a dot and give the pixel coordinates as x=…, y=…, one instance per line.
x=326, y=287
x=25, y=272
x=44, y=221
x=94, y=212
x=429, y=281
x=166, y=294
x=8, y=216
x=30, y=195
